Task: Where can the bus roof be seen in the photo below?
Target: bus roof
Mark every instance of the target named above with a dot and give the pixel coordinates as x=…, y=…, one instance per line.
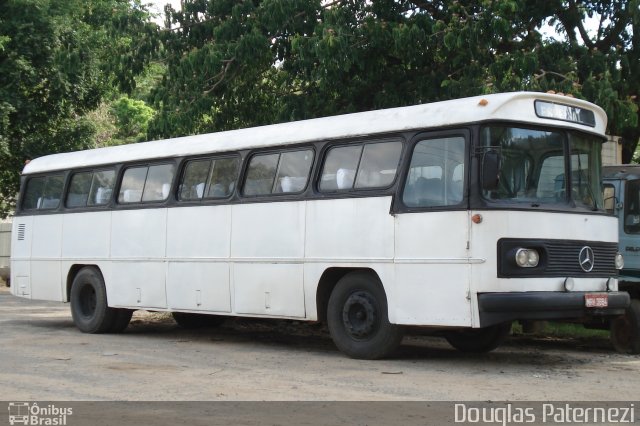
x=515, y=106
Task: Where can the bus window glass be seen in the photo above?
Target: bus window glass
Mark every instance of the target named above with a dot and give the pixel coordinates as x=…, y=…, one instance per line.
x=132, y=185
x=223, y=177
x=532, y=165
x=632, y=207
x=33, y=193
x=378, y=165
x=79, y=189
x=436, y=173
x=339, y=169
x=260, y=175
x=101, y=187
x=158, y=184
x=609, y=198
x=194, y=180
x=586, y=190
x=293, y=171
x=52, y=192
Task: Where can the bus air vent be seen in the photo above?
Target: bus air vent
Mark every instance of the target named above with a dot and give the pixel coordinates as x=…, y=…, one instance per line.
x=21, y=229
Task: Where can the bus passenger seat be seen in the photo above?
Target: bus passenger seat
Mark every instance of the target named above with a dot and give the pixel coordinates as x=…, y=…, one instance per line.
x=344, y=178
x=166, y=188
x=199, y=189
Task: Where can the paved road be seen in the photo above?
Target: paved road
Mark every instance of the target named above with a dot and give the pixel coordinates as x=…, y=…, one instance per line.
x=44, y=357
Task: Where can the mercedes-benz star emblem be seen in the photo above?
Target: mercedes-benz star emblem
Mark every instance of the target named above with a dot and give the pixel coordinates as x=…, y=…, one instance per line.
x=586, y=258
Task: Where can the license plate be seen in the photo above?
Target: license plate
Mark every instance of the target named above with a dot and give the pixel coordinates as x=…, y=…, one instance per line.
x=596, y=300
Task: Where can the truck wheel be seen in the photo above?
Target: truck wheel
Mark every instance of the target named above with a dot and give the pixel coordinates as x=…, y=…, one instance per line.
x=358, y=320
x=89, y=308
x=478, y=340
x=625, y=330
x=192, y=321
x=121, y=322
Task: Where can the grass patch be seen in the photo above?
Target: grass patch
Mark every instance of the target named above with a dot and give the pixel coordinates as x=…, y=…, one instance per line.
x=563, y=330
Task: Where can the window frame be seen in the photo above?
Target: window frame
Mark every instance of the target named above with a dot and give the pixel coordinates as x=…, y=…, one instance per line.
x=361, y=143
x=46, y=176
x=73, y=173
x=183, y=169
x=126, y=166
x=247, y=162
x=465, y=133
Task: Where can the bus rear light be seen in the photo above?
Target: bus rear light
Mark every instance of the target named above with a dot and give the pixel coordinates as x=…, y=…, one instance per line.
x=527, y=258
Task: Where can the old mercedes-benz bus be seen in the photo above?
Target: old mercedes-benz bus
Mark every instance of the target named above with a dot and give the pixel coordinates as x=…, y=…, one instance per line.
x=458, y=216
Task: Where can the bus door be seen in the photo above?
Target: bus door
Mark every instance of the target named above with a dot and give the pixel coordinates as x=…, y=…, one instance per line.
x=432, y=231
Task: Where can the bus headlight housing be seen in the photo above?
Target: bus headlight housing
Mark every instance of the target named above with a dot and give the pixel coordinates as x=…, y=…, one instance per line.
x=527, y=258
x=619, y=261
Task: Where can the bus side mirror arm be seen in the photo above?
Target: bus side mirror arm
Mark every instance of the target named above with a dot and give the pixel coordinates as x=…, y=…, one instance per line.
x=490, y=170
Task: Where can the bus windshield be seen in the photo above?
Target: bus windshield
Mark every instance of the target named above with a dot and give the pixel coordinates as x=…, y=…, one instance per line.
x=534, y=167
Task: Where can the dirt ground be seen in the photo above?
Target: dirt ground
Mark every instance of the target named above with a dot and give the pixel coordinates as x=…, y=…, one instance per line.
x=44, y=357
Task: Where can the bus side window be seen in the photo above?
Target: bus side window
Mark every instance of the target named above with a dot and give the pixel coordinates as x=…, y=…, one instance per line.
x=371, y=165
x=436, y=173
x=378, y=165
x=293, y=171
x=285, y=172
x=79, y=189
x=194, y=179
x=339, y=168
x=101, y=187
x=223, y=177
x=609, y=196
x=158, y=184
x=43, y=193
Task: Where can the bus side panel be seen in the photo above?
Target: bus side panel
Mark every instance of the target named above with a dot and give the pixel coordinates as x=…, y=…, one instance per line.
x=432, y=269
x=267, y=247
x=21, y=236
x=350, y=229
x=349, y=233
x=138, y=270
x=46, y=249
x=201, y=235
x=86, y=236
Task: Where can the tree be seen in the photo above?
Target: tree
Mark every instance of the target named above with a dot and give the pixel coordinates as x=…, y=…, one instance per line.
x=241, y=63
x=58, y=58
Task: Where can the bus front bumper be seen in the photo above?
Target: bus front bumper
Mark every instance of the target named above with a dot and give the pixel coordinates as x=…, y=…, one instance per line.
x=496, y=308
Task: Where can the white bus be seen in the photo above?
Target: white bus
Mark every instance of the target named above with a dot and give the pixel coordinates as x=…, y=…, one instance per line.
x=459, y=216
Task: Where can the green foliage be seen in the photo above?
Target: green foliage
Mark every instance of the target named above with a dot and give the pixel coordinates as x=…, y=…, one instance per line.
x=58, y=59
x=244, y=63
x=132, y=118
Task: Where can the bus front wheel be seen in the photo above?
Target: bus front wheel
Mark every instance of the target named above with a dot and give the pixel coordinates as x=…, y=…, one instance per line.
x=478, y=340
x=625, y=330
x=89, y=308
x=357, y=318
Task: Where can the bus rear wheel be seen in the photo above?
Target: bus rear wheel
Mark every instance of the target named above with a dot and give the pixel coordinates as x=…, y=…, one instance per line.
x=89, y=308
x=625, y=330
x=478, y=340
x=357, y=318
x=192, y=321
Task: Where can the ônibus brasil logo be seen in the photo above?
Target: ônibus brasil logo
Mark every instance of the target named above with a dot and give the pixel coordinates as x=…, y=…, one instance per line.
x=25, y=413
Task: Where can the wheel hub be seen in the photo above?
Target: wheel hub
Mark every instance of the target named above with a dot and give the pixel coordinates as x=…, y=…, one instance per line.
x=359, y=315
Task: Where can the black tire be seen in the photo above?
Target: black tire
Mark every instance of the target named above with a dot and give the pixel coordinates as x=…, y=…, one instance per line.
x=192, y=321
x=358, y=320
x=625, y=330
x=121, y=322
x=478, y=340
x=89, y=308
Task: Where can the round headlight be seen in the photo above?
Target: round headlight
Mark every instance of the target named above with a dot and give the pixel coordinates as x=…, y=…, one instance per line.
x=527, y=258
x=619, y=261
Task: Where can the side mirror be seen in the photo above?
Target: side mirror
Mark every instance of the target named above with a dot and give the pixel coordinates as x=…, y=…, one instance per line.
x=490, y=170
